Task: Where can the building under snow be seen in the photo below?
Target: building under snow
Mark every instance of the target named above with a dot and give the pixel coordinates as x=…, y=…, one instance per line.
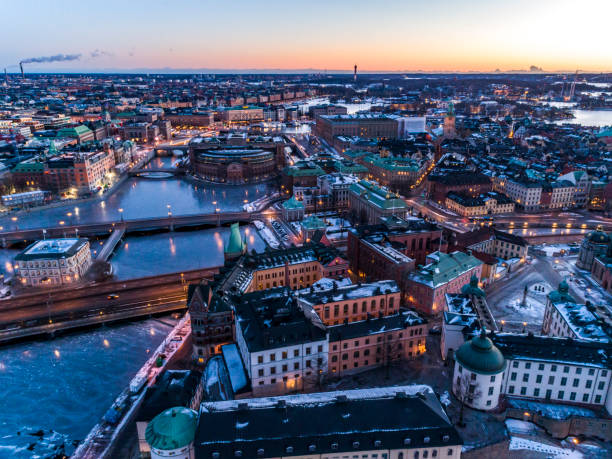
x=402, y=422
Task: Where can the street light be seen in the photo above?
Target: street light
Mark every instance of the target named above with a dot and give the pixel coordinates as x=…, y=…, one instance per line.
x=121, y=213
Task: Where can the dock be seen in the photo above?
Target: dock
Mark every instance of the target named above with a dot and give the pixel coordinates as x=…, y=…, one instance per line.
x=101, y=441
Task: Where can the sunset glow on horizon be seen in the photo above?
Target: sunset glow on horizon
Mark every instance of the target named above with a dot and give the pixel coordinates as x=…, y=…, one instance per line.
x=440, y=35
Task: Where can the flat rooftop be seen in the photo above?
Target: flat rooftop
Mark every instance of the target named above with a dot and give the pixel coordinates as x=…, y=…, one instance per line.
x=52, y=248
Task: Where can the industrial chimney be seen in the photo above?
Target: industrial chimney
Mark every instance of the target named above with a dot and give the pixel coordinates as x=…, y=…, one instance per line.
x=21, y=67
x=355, y=73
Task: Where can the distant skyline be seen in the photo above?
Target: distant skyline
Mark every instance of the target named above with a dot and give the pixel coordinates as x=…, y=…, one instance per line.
x=243, y=36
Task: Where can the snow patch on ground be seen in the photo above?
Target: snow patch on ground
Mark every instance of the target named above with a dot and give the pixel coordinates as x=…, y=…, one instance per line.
x=517, y=443
x=516, y=426
x=445, y=399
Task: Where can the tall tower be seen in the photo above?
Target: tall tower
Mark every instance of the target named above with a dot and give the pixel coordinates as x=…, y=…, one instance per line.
x=449, y=122
x=355, y=73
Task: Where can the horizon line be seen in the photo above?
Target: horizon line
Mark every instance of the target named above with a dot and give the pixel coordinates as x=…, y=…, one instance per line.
x=168, y=70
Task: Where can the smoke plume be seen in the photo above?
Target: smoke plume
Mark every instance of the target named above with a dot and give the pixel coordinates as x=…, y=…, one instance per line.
x=56, y=58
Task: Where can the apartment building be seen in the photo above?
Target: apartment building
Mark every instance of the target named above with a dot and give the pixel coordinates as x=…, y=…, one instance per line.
x=282, y=349
x=53, y=262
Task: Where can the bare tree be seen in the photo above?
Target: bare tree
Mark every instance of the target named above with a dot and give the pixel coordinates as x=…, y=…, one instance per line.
x=466, y=392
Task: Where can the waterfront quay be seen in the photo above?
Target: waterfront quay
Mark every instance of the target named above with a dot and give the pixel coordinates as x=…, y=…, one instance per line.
x=46, y=313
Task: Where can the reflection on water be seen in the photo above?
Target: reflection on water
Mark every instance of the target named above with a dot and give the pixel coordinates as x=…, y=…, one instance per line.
x=590, y=118
x=65, y=385
x=141, y=256
x=143, y=198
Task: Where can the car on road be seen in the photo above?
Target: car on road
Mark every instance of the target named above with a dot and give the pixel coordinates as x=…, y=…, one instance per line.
x=113, y=296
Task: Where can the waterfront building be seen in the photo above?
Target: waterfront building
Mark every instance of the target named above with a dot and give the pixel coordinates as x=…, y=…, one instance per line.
x=366, y=125
x=26, y=199
x=336, y=305
x=283, y=348
x=237, y=158
x=444, y=273
x=53, y=262
x=171, y=434
x=382, y=340
x=173, y=388
x=565, y=318
x=386, y=422
x=86, y=172
x=558, y=194
x=142, y=132
x=581, y=183
x=81, y=172
x=555, y=370
x=594, y=244
x=527, y=194
x=368, y=202
x=296, y=267
x=488, y=204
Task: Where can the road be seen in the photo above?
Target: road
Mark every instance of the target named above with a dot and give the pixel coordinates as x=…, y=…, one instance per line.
x=127, y=298
x=104, y=298
x=578, y=219
x=498, y=296
x=144, y=224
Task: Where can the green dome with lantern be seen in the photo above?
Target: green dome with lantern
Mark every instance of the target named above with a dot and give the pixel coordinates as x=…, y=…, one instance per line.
x=599, y=236
x=172, y=429
x=561, y=295
x=481, y=356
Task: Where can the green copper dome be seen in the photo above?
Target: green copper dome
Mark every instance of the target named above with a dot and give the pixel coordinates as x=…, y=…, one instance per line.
x=481, y=356
x=293, y=203
x=598, y=236
x=561, y=294
x=172, y=429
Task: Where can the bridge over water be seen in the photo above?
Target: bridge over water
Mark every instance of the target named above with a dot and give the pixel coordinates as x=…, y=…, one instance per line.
x=170, y=222
x=161, y=170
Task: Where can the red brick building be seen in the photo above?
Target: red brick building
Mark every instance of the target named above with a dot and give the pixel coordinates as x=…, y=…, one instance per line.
x=354, y=302
x=358, y=346
x=392, y=248
x=444, y=273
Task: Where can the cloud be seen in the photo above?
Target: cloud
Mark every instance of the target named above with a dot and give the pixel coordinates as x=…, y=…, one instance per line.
x=99, y=53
